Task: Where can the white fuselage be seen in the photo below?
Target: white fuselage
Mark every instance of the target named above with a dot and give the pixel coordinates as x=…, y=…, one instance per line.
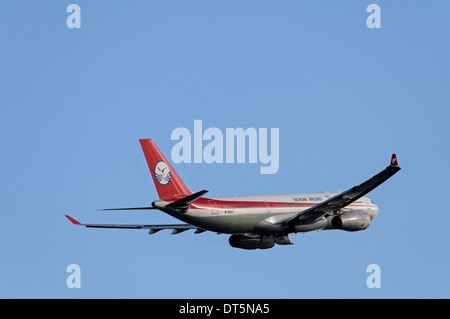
x=259, y=214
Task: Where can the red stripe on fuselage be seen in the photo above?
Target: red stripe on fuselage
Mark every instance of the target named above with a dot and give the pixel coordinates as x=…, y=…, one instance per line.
x=207, y=203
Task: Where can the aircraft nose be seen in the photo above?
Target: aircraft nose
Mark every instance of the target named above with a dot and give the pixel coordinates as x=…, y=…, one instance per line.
x=374, y=211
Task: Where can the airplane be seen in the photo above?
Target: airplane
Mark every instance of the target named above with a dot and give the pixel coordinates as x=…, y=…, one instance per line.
x=254, y=222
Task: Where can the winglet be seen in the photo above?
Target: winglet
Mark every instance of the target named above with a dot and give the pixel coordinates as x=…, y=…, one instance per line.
x=394, y=160
x=75, y=222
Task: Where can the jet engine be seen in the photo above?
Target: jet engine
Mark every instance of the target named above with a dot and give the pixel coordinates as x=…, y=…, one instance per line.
x=351, y=221
x=246, y=242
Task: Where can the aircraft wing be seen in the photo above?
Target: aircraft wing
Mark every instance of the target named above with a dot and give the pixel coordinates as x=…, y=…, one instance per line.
x=176, y=228
x=345, y=198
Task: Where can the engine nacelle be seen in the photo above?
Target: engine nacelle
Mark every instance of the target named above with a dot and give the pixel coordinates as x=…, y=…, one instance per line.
x=351, y=221
x=245, y=242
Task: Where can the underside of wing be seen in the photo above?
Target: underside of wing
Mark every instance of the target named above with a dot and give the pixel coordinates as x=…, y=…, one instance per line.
x=176, y=228
x=343, y=199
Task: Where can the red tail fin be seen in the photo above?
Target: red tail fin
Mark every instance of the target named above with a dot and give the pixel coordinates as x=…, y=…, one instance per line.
x=166, y=180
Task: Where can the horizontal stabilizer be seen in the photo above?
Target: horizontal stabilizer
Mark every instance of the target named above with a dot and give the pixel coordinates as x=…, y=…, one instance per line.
x=184, y=203
x=129, y=208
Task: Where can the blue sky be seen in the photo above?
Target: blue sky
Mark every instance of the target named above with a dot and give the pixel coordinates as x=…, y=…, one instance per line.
x=74, y=103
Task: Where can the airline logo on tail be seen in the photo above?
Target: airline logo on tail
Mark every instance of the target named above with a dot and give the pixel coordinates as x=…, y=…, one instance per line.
x=162, y=173
x=166, y=179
